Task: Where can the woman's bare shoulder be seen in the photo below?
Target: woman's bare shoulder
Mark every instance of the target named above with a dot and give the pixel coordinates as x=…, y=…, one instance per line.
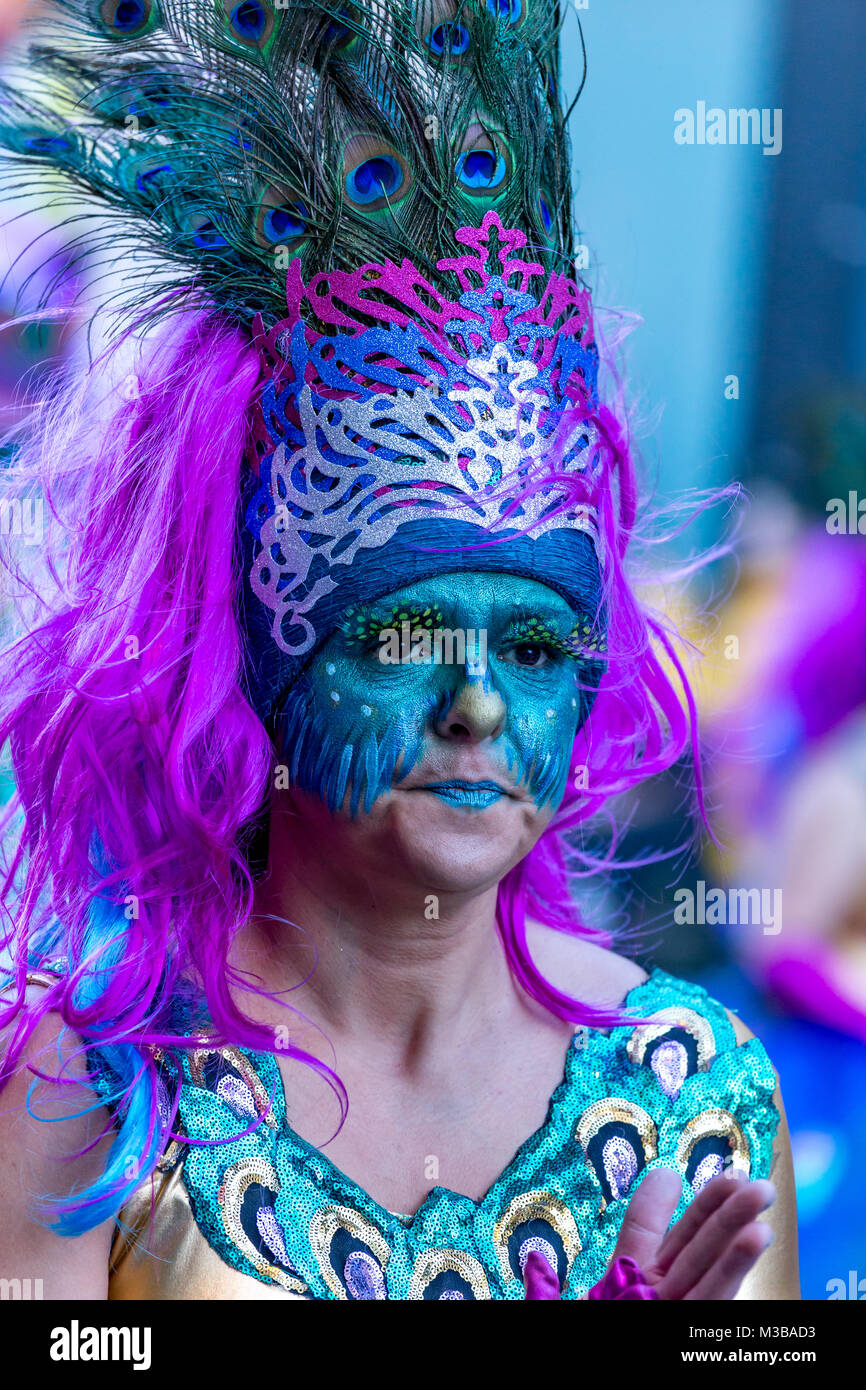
x=594, y=974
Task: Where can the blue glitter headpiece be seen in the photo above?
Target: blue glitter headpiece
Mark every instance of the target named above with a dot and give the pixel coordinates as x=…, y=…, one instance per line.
x=404, y=434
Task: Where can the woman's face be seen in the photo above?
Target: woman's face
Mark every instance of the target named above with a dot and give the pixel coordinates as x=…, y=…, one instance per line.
x=432, y=734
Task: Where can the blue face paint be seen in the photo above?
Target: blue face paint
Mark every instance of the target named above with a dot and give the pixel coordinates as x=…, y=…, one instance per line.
x=375, y=701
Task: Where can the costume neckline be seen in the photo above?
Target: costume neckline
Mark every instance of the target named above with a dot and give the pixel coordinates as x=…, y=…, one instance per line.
x=336, y=1177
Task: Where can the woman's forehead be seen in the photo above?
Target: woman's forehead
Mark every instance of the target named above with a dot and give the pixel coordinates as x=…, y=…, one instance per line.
x=492, y=593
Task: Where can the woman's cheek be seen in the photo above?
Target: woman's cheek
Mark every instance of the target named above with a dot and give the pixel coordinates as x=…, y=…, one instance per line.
x=349, y=734
x=542, y=726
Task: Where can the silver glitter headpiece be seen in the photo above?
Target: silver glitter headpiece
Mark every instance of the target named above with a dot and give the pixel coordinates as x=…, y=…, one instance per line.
x=389, y=403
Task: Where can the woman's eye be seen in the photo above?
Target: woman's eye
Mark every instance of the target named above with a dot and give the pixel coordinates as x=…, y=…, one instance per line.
x=527, y=654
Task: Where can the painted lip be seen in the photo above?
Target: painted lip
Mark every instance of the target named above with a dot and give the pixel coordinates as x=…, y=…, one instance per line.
x=470, y=794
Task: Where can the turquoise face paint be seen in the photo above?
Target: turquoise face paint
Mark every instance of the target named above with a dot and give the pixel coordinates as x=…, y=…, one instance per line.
x=358, y=721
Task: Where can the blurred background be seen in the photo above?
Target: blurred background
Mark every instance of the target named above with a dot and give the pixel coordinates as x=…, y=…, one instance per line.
x=746, y=270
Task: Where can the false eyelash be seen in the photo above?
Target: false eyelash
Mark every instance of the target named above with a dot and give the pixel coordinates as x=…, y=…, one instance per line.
x=361, y=628
x=538, y=633
x=589, y=640
x=582, y=641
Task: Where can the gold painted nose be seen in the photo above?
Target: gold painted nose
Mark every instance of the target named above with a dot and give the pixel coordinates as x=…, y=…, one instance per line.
x=474, y=714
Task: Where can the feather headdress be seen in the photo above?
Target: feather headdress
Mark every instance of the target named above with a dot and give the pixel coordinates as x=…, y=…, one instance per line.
x=381, y=193
x=226, y=139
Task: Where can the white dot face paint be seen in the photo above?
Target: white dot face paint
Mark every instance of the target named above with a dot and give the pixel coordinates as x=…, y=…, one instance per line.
x=366, y=747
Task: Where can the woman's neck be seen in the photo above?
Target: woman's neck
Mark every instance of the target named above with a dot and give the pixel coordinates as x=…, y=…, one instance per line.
x=375, y=956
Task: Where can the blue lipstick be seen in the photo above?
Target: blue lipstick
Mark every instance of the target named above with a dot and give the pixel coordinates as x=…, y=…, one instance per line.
x=471, y=796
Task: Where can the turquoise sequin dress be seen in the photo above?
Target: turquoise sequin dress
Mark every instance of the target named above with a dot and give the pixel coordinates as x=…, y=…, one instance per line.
x=675, y=1092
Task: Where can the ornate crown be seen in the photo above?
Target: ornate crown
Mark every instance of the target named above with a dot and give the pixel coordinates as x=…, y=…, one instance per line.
x=389, y=403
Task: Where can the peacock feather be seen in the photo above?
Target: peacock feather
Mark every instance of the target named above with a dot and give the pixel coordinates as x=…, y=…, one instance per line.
x=217, y=141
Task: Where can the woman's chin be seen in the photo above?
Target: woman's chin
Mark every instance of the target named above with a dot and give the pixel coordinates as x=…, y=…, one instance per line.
x=458, y=847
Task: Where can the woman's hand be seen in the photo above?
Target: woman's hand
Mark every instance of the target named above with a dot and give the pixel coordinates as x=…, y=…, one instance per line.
x=710, y=1250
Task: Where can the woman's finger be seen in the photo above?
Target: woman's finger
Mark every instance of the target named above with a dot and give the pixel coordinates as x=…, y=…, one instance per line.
x=647, y=1215
x=727, y=1274
x=714, y=1236
x=708, y=1200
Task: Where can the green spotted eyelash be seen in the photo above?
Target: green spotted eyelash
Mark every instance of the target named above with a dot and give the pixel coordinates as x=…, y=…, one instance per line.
x=360, y=627
x=583, y=639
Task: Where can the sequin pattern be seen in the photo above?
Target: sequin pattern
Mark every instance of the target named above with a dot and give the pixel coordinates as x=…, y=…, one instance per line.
x=676, y=1092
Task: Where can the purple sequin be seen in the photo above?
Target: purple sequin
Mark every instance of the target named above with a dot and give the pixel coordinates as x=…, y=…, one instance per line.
x=238, y=1095
x=670, y=1062
x=543, y=1247
x=363, y=1276
x=710, y=1166
x=272, y=1234
x=620, y=1165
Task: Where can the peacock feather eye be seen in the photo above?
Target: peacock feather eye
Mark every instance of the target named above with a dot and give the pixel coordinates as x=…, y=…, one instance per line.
x=376, y=176
x=151, y=177
x=250, y=21
x=285, y=223
x=509, y=11
x=128, y=19
x=380, y=175
x=47, y=144
x=545, y=214
x=205, y=234
x=281, y=219
x=341, y=29
x=441, y=27
x=148, y=104
x=481, y=169
x=483, y=162
x=451, y=39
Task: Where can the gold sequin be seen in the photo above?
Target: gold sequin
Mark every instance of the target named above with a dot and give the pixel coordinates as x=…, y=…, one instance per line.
x=242, y=1065
x=617, y=1110
x=536, y=1205
x=722, y=1124
x=432, y=1263
x=324, y=1226
x=235, y=1182
x=663, y=1021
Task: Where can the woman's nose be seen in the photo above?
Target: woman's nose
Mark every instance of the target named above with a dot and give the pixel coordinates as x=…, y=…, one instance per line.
x=475, y=712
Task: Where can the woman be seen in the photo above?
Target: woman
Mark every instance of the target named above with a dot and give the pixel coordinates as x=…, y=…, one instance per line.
x=336, y=653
